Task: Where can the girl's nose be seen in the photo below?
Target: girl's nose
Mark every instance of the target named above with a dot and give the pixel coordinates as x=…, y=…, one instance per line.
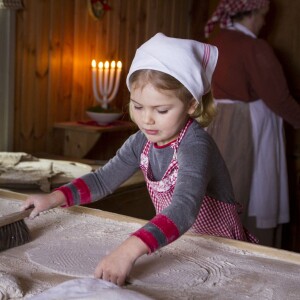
x=147, y=117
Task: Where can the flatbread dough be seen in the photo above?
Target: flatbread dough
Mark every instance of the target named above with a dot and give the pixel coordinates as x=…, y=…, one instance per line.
x=77, y=258
x=29, y=173
x=22, y=170
x=89, y=289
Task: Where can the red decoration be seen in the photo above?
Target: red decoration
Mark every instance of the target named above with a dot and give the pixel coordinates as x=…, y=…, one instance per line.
x=98, y=7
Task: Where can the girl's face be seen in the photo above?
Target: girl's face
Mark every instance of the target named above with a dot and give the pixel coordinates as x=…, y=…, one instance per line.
x=159, y=115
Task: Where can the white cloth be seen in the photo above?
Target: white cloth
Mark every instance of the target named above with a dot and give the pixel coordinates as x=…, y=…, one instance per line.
x=242, y=28
x=269, y=200
x=190, y=62
x=88, y=289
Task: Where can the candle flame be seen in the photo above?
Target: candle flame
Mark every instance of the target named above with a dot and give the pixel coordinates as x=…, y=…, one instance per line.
x=94, y=63
x=106, y=65
x=113, y=64
x=100, y=65
x=119, y=65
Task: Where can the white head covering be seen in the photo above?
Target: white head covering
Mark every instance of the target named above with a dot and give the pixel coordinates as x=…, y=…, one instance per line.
x=190, y=62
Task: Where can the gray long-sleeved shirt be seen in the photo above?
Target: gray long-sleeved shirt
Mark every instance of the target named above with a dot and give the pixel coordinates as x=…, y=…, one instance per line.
x=201, y=172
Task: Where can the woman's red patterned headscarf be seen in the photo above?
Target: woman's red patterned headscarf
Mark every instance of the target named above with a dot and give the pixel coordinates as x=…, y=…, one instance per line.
x=228, y=8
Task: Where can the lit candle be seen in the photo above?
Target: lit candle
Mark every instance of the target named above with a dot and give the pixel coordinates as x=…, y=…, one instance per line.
x=106, y=73
x=94, y=78
x=117, y=82
x=100, y=77
x=111, y=76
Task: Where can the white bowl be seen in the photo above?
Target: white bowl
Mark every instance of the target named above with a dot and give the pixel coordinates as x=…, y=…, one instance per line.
x=103, y=118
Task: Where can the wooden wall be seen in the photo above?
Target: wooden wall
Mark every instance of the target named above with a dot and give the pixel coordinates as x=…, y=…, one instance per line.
x=56, y=41
x=282, y=31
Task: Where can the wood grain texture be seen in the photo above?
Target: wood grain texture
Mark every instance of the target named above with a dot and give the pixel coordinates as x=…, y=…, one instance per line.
x=56, y=41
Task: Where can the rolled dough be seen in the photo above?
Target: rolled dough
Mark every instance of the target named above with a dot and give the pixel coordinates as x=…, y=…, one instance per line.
x=89, y=289
x=77, y=258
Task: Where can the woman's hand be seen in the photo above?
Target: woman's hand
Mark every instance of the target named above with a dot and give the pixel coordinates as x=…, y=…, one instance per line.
x=42, y=202
x=116, y=266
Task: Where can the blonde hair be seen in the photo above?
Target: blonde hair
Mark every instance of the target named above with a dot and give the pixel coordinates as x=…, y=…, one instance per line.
x=206, y=109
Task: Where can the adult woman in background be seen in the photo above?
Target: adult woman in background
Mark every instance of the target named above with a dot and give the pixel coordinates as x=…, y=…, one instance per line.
x=253, y=100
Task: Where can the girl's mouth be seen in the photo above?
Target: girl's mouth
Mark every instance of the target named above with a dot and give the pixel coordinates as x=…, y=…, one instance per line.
x=151, y=132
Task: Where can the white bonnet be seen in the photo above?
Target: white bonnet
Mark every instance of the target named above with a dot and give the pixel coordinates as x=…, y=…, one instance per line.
x=190, y=62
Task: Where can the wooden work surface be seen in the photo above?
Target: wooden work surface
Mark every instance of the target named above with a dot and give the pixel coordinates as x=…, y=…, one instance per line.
x=225, y=269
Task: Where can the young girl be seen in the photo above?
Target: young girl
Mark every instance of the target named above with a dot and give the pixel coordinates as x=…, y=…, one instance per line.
x=185, y=174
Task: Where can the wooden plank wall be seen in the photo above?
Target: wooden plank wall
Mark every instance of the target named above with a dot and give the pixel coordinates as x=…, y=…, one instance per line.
x=282, y=31
x=56, y=41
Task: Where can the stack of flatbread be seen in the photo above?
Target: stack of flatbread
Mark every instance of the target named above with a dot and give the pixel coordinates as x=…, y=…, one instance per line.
x=17, y=168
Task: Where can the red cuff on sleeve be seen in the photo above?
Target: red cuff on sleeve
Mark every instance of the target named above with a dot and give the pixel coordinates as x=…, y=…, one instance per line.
x=68, y=194
x=85, y=194
x=147, y=238
x=167, y=226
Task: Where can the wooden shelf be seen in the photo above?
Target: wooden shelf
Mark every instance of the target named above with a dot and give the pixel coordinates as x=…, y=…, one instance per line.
x=80, y=138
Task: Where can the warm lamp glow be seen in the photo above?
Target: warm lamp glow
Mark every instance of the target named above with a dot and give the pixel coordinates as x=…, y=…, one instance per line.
x=94, y=63
x=119, y=65
x=106, y=65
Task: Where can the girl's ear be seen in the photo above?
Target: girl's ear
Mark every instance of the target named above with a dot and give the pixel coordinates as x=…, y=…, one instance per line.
x=192, y=106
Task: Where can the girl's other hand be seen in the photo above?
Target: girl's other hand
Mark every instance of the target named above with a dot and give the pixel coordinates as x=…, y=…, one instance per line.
x=42, y=202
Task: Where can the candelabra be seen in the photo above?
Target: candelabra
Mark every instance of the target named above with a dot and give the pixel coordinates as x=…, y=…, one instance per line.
x=106, y=81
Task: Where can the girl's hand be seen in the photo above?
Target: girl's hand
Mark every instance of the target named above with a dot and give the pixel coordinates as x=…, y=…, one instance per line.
x=116, y=266
x=42, y=202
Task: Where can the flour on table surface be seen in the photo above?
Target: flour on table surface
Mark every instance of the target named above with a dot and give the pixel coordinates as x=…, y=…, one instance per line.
x=9, y=286
x=68, y=245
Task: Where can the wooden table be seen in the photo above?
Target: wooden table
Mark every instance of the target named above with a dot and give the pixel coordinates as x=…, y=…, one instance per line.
x=205, y=267
x=79, y=138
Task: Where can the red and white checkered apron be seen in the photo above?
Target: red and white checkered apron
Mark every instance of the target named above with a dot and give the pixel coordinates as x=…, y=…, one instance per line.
x=215, y=217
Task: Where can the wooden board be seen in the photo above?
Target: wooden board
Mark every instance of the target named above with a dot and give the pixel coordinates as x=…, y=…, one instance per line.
x=224, y=268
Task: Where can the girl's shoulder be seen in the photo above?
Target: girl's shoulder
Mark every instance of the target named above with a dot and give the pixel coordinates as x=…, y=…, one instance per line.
x=198, y=145
x=197, y=140
x=196, y=134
